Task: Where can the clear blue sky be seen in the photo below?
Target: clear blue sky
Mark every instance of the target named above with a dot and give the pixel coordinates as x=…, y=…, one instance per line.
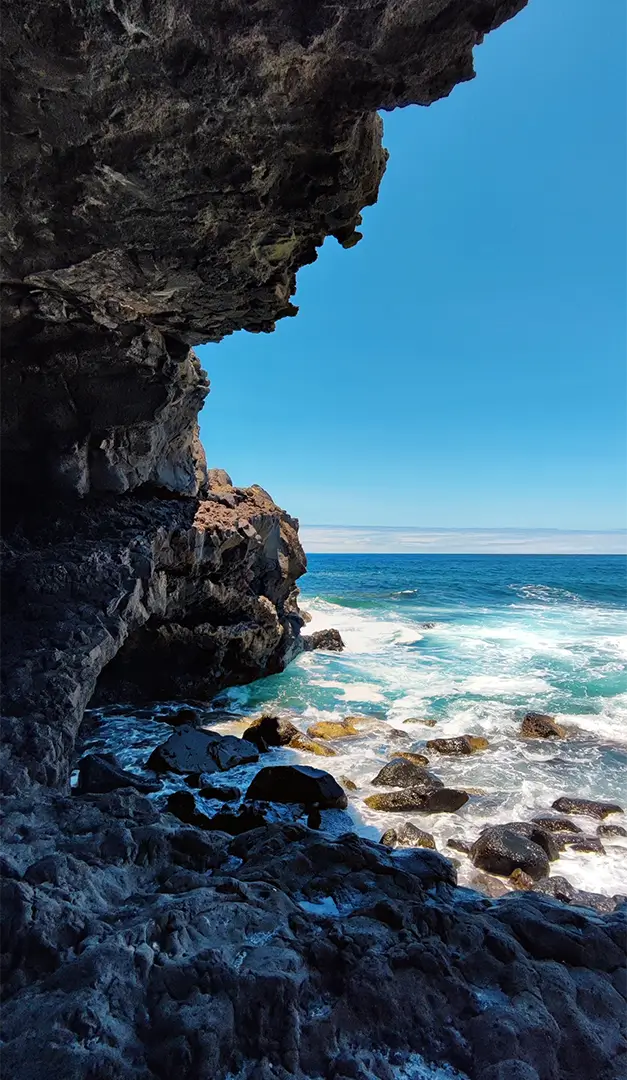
x=465, y=364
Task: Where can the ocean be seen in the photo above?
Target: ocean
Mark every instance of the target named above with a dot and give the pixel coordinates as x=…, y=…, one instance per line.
x=469, y=643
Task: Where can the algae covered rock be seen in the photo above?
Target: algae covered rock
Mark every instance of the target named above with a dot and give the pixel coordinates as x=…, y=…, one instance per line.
x=500, y=850
x=401, y=772
x=408, y=835
x=460, y=744
x=588, y=807
x=541, y=726
x=427, y=800
x=332, y=729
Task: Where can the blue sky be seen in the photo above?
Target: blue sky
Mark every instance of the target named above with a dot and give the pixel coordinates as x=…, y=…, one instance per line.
x=464, y=365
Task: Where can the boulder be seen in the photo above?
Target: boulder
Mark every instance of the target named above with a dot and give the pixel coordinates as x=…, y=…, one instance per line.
x=490, y=886
x=227, y=793
x=588, y=807
x=323, y=639
x=461, y=744
x=348, y=784
x=269, y=730
x=459, y=845
x=420, y=720
x=252, y=815
x=500, y=850
x=555, y=824
x=521, y=881
x=183, y=805
x=400, y=772
x=429, y=800
x=589, y=844
x=540, y=726
x=311, y=746
x=611, y=830
x=549, y=842
x=298, y=784
x=179, y=718
x=558, y=887
x=190, y=750
x=332, y=729
x=100, y=773
x=407, y=835
x=416, y=759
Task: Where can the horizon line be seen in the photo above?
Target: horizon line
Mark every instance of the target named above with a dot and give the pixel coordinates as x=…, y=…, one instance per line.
x=413, y=540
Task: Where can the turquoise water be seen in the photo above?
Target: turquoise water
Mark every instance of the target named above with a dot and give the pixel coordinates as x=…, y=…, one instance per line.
x=510, y=633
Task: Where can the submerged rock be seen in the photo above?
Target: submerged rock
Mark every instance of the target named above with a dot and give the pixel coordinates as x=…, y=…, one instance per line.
x=590, y=844
x=420, y=720
x=189, y=750
x=270, y=730
x=500, y=850
x=100, y=773
x=426, y=799
x=225, y=792
x=401, y=772
x=459, y=845
x=407, y=835
x=555, y=824
x=416, y=759
x=332, y=729
x=611, y=830
x=521, y=881
x=588, y=807
x=461, y=744
x=298, y=784
x=330, y=640
x=348, y=784
x=311, y=746
x=540, y=726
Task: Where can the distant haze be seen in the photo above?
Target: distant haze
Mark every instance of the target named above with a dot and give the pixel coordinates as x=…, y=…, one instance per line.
x=396, y=540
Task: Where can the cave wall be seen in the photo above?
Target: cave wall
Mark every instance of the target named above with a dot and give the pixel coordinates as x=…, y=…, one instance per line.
x=168, y=165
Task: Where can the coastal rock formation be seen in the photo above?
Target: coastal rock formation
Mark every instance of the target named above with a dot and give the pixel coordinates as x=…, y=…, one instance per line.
x=138, y=598
x=540, y=726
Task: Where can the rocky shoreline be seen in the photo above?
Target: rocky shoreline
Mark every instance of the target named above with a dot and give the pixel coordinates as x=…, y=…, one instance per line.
x=167, y=170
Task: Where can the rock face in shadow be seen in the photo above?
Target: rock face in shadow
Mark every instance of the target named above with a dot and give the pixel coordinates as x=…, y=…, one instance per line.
x=168, y=169
x=137, y=599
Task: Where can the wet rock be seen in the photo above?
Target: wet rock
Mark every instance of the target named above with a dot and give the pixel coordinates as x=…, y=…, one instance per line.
x=187, y=717
x=558, y=887
x=225, y=792
x=314, y=818
x=427, y=625
x=416, y=759
x=461, y=744
x=490, y=886
x=555, y=824
x=597, y=901
x=99, y=773
x=459, y=845
x=590, y=844
x=401, y=772
x=512, y=1069
x=521, y=881
x=348, y=784
x=270, y=730
x=255, y=814
x=420, y=720
x=431, y=800
x=298, y=784
x=332, y=729
x=330, y=640
x=588, y=807
x=611, y=830
x=407, y=835
x=311, y=746
x=183, y=805
x=540, y=726
x=189, y=750
x=500, y=850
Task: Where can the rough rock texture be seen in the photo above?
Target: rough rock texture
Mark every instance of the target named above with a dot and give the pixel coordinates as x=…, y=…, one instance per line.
x=187, y=597
x=191, y=751
x=541, y=726
x=139, y=948
x=331, y=640
x=168, y=167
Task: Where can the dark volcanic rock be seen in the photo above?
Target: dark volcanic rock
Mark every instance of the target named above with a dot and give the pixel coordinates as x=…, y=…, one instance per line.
x=268, y=731
x=556, y=824
x=540, y=726
x=587, y=807
x=298, y=784
x=400, y=772
x=323, y=639
x=407, y=835
x=611, y=830
x=189, y=750
x=500, y=850
x=461, y=744
x=227, y=793
x=99, y=773
x=424, y=798
x=183, y=805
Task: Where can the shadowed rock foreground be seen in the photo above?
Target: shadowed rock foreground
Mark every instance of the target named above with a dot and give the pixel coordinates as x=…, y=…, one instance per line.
x=168, y=167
